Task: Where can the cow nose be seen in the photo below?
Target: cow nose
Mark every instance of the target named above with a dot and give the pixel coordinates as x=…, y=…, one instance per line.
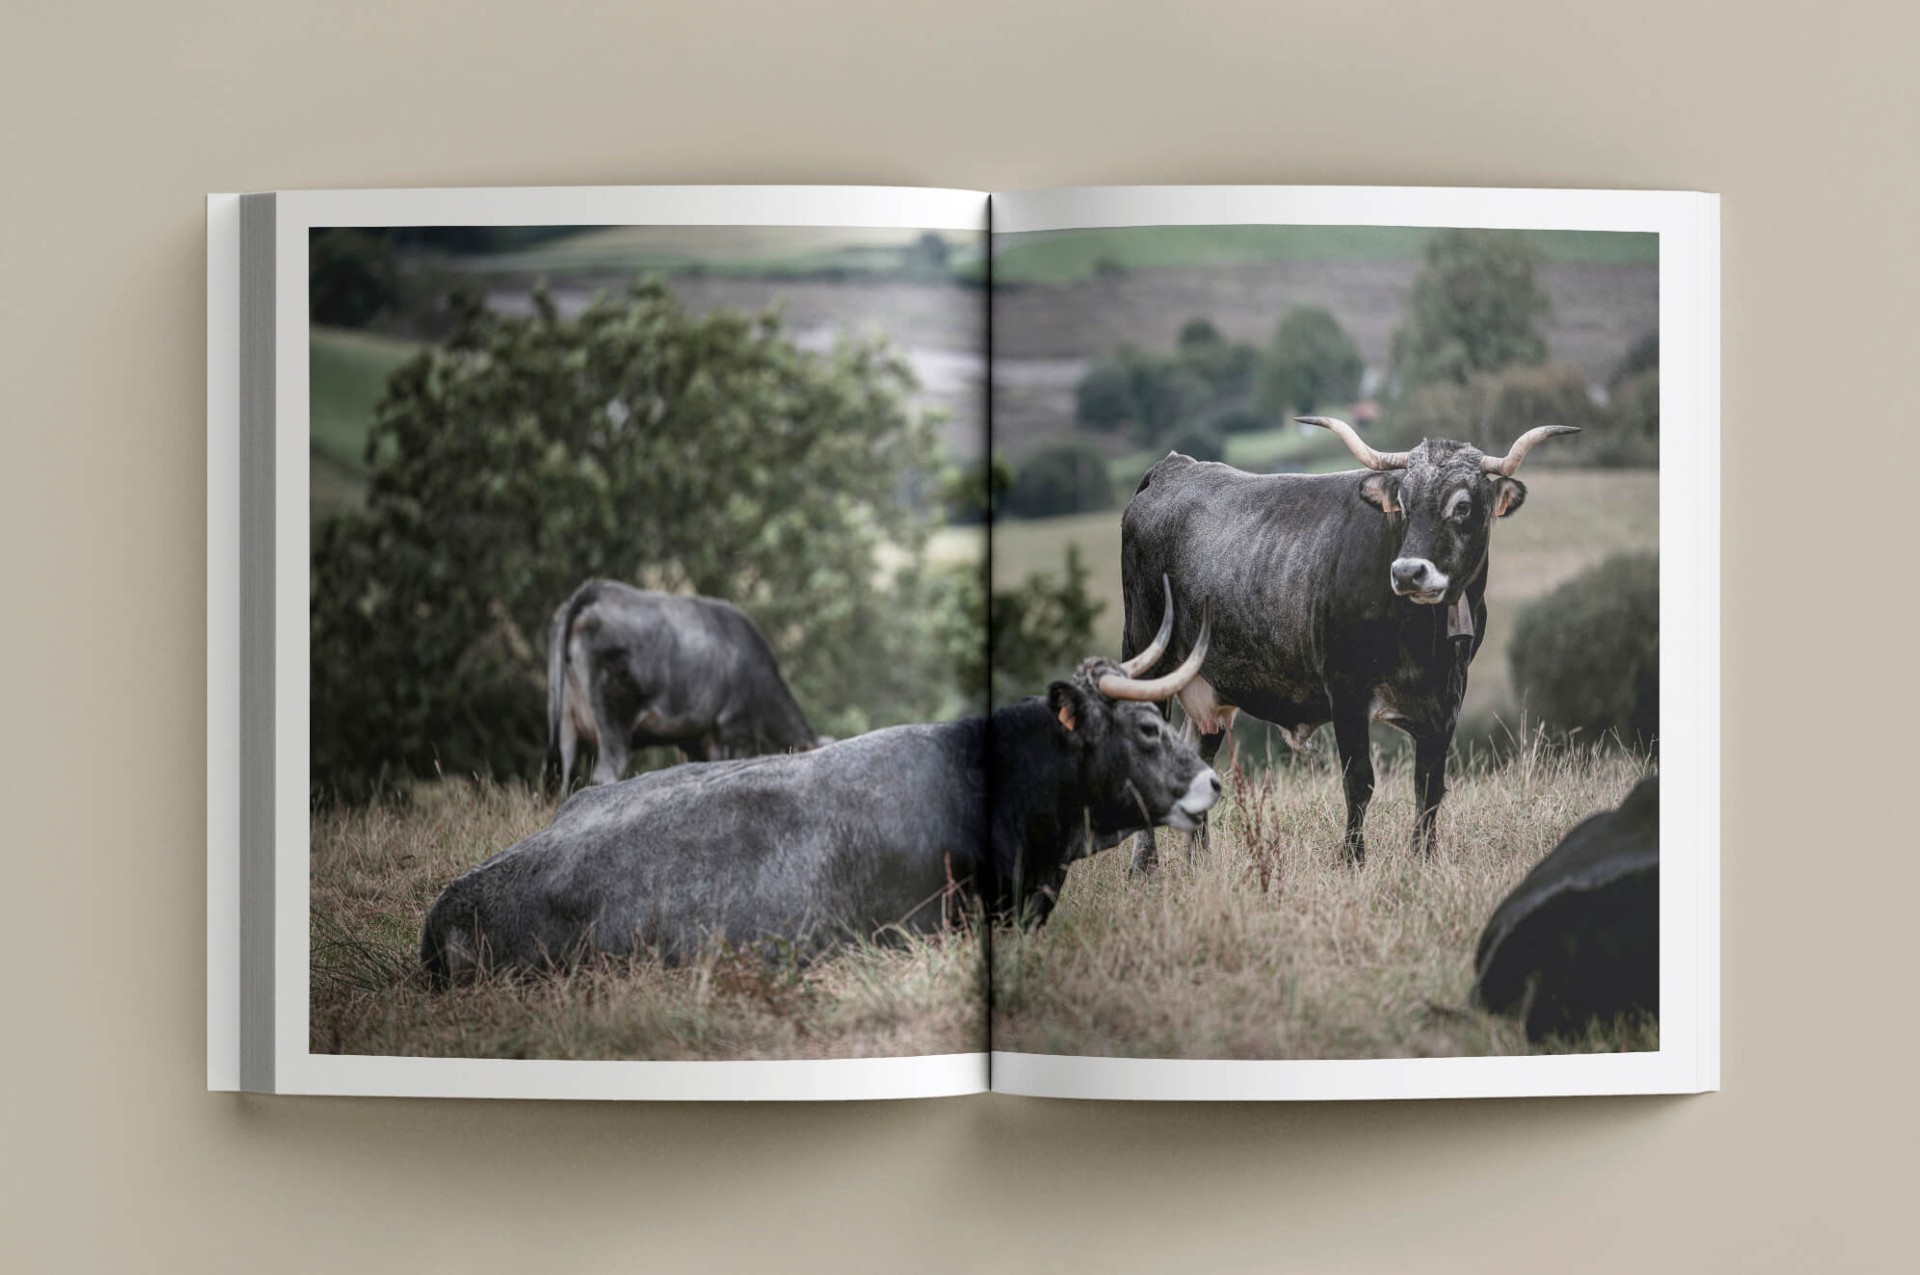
x=1407, y=571
x=1216, y=785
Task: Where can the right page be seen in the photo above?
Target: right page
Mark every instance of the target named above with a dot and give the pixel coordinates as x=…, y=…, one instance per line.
x=1392, y=517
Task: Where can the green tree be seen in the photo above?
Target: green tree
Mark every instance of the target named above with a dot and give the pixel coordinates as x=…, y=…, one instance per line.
x=353, y=276
x=1472, y=310
x=1311, y=361
x=1151, y=394
x=1070, y=478
x=635, y=442
x=1225, y=366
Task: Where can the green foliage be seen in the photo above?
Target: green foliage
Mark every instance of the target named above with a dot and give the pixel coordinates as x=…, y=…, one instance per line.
x=1154, y=395
x=1070, y=478
x=1491, y=410
x=1587, y=655
x=1472, y=309
x=636, y=442
x=1202, y=442
x=1311, y=361
x=1227, y=367
x=1644, y=356
x=353, y=275
x=973, y=491
x=1042, y=629
x=1633, y=433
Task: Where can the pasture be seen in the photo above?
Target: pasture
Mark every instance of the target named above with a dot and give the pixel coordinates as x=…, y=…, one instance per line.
x=375, y=870
x=1265, y=945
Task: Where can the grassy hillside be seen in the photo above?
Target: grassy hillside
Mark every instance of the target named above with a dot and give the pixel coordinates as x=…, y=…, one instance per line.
x=1063, y=256
x=1266, y=945
x=738, y=250
x=347, y=371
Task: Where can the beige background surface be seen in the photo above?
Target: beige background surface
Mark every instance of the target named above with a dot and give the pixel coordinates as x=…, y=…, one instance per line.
x=118, y=119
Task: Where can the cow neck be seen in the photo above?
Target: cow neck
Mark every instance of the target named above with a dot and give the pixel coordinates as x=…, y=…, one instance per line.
x=1460, y=614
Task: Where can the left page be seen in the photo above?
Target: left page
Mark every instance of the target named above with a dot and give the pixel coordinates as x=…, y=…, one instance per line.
x=624, y=623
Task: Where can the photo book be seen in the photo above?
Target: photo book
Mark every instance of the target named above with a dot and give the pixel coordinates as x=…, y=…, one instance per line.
x=842, y=642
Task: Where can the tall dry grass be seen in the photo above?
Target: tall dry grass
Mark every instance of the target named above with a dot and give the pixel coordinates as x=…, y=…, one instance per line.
x=1266, y=944
x=375, y=870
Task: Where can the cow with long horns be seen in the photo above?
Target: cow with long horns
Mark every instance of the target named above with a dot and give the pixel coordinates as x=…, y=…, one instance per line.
x=1347, y=598
x=895, y=829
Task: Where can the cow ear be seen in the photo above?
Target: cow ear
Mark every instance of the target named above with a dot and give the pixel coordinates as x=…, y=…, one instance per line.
x=1382, y=491
x=1064, y=700
x=1508, y=495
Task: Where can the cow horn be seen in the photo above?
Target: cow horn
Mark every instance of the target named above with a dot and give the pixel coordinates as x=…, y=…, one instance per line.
x=1361, y=452
x=1155, y=689
x=1156, y=648
x=1505, y=465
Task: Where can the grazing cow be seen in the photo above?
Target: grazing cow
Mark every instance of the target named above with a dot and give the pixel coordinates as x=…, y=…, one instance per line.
x=629, y=667
x=1579, y=937
x=1346, y=598
x=896, y=829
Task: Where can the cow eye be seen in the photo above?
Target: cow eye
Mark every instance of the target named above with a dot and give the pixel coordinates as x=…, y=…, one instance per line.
x=1463, y=510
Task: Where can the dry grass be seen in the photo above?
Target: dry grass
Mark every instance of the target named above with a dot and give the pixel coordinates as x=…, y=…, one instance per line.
x=1264, y=946
x=376, y=870
x=1267, y=945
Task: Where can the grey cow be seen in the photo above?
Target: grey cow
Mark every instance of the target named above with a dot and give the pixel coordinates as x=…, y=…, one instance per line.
x=628, y=668
x=1346, y=598
x=896, y=828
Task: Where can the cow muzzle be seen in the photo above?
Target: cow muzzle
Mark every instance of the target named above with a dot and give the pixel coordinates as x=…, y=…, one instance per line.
x=1191, y=809
x=1418, y=580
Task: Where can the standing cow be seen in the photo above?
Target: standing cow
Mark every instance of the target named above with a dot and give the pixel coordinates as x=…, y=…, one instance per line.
x=1347, y=598
x=628, y=668
x=891, y=829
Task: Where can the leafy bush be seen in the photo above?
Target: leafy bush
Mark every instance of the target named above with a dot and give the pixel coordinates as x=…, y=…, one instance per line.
x=1225, y=366
x=1491, y=410
x=1241, y=420
x=1632, y=436
x=1067, y=479
x=1104, y=397
x=1042, y=629
x=1587, y=655
x=1644, y=356
x=636, y=442
x=1472, y=310
x=1311, y=361
x=353, y=276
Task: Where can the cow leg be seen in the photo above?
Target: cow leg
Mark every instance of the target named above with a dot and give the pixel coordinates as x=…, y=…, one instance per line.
x=1430, y=785
x=1356, y=771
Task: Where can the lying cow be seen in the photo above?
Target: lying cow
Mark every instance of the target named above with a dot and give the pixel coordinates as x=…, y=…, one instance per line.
x=628, y=668
x=1579, y=937
x=1347, y=598
x=896, y=828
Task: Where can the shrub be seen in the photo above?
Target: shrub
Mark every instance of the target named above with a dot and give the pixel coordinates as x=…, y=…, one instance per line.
x=1491, y=410
x=1587, y=655
x=1068, y=479
x=636, y=442
x=1632, y=434
x=1042, y=629
x=1311, y=361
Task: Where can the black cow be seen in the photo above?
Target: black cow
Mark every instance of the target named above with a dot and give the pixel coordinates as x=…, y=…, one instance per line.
x=896, y=828
x=1579, y=937
x=630, y=667
x=1346, y=598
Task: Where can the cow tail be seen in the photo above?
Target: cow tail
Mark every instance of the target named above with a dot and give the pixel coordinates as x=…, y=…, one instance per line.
x=558, y=634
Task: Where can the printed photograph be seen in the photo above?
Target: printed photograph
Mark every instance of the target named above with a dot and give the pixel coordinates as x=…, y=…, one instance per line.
x=1370, y=517
x=630, y=544
x=721, y=651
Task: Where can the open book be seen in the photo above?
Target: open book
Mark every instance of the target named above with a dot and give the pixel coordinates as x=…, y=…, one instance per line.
x=802, y=642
